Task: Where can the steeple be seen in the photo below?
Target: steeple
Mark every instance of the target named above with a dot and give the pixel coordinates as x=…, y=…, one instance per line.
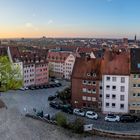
x=135, y=39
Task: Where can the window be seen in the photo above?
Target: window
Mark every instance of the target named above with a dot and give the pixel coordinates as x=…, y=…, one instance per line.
x=138, y=65
x=135, y=76
x=93, y=99
x=113, y=79
x=89, y=91
x=122, y=79
x=107, y=78
x=100, y=87
x=107, y=96
x=84, y=89
x=107, y=104
x=94, y=91
x=84, y=81
x=100, y=95
x=89, y=98
x=122, y=88
x=122, y=97
x=84, y=98
x=94, y=74
x=134, y=85
x=121, y=106
x=113, y=87
x=88, y=74
x=113, y=96
x=107, y=87
x=139, y=85
x=134, y=94
x=94, y=83
x=89, y=82
x=113, y=105
x=138, y=94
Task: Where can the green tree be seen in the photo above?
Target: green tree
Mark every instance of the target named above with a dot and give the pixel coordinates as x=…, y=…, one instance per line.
x=61, y=120
x=10, y=75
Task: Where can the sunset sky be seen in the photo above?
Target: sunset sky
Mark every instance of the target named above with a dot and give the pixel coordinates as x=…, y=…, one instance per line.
x=69, y=18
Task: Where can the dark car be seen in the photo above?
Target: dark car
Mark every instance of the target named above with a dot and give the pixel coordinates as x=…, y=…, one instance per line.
x=128, y=118
x=32, y=87
x=67, y=110
x=52, y=85
x=36, y=87
x=51, y=97
x=55, y=105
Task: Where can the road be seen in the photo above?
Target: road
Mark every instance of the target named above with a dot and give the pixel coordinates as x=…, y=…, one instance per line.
x=38, y=99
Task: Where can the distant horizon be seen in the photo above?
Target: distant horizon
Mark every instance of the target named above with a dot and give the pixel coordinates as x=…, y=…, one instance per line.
x=69, y=18
x=12, y=38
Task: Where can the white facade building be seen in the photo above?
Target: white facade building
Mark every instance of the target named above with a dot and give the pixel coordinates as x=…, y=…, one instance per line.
x=29, y=75
x=115, y=93
x=69, y=63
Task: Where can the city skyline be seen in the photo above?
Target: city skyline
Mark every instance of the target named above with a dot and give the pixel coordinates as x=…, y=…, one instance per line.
x=53, y=18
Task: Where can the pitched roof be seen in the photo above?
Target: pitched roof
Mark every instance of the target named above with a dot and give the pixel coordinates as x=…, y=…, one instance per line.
x=116, y=63
x=135, y=60
x=58, y=56
x=85, y=66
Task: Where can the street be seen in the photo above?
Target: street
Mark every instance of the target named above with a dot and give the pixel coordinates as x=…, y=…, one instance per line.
x=26, y=100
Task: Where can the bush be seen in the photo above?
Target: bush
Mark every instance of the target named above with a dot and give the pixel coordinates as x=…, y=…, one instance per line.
x=77, y=126
x=61, y=120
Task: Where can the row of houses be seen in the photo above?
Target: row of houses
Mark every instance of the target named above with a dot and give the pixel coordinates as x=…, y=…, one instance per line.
x=108, y=84
x=36, y=67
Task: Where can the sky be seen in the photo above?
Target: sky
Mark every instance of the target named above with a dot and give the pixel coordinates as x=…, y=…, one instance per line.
x=69, y=18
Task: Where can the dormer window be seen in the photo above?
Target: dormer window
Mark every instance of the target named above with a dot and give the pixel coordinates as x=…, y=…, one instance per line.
x=88, y=74
x=94, y=74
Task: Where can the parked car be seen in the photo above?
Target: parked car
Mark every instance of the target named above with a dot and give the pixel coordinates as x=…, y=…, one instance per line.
x=46, y=86
x=55, y=105
x=52, y=85
x=51, y=97
x=91, y=115
x=40, y=114
x=112, y=118
x=79, y=112
x=23, y=88
x=36, y=87
x=46, y=116
x=129, y=118
x=67, y=108
x=32, y=87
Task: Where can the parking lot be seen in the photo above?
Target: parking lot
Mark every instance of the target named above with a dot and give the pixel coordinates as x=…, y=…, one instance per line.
x=26, y=100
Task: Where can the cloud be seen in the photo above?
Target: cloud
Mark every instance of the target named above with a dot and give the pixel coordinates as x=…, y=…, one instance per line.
x=28, y=24
x=50, y=21
x=31, y=26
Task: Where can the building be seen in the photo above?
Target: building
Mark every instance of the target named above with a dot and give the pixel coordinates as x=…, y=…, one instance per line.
x=115, y=81
x=61, y=63
x=33, y=66
x=134, y=95
x=15, y=59
x=86, y=81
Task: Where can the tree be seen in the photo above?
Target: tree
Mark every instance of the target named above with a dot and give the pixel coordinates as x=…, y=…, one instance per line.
x=10, y=75
x=61, y=120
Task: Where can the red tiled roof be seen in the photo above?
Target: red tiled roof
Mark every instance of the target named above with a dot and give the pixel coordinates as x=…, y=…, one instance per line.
x=83, y=66
x=116, y=63
x=85, y=50
x=57, y=56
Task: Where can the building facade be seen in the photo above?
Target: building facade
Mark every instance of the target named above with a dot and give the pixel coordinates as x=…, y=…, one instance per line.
x=134, y=94
x=86, y=78
x=115, y=81
x=61, y=63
